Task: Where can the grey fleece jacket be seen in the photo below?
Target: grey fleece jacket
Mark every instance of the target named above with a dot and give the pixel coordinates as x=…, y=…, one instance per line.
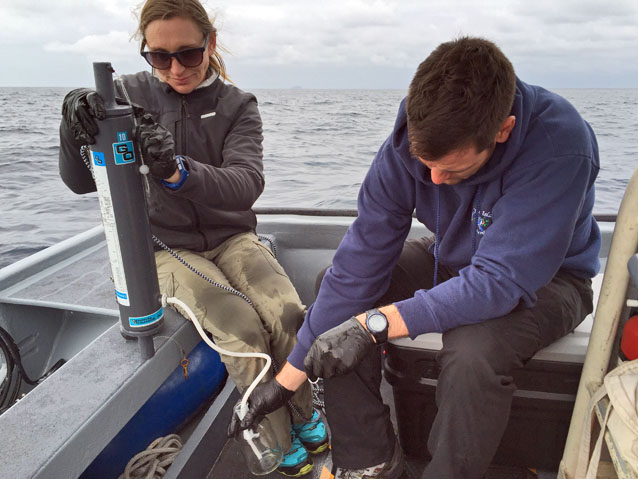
x=218, y=129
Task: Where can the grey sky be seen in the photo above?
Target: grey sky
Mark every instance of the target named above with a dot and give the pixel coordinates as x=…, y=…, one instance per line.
x=333, y=43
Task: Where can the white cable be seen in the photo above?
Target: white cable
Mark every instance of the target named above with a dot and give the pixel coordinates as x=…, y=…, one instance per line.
x=200, y=330
x=243, y=408
x=144, y=169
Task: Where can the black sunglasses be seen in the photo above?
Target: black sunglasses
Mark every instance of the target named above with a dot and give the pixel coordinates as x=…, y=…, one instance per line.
x=189, y=58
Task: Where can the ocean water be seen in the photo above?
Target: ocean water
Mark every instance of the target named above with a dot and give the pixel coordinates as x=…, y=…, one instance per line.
x=317, y=148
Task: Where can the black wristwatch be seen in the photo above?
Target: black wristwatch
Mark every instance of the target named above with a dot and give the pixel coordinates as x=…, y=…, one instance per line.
x=377, y=324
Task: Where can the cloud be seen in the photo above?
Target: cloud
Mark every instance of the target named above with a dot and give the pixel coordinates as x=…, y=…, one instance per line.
x=63, y=20
x=400, y=34
x=115, y=44
x=304, y=32
x=570, y=39
x=578, y=12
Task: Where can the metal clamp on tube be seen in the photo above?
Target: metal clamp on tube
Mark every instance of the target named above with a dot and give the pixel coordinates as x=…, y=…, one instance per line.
x=124, y=215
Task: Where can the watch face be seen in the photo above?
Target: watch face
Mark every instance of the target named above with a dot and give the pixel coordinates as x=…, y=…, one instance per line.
x=377, y=322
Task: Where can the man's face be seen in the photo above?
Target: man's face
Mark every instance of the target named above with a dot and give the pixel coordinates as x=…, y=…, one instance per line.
x=458, y=165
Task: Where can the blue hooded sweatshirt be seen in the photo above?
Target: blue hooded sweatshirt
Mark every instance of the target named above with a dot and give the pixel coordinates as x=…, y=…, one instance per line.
x=508, y=229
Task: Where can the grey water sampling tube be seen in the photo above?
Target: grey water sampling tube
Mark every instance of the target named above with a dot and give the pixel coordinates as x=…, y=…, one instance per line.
x=126, y=226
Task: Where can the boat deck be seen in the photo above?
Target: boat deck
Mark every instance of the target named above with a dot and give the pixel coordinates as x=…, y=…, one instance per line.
x=69, y=284
x=230, y=462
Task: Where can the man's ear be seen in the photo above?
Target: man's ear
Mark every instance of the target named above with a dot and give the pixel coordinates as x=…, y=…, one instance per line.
x=507, y=127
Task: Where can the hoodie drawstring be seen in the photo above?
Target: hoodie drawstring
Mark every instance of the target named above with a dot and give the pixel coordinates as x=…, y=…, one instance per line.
x=436, y=236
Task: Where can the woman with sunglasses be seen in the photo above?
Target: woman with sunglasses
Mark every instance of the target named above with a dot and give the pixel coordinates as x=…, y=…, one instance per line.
x=202, y=141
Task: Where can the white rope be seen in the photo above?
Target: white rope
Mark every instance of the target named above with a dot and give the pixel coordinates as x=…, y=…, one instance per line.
x=153, y=462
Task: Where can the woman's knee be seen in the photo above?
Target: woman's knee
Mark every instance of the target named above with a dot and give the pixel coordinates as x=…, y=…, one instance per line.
x=292, y=317
x=236, y=322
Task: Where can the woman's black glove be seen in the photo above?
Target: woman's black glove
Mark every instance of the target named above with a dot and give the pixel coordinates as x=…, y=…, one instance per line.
x=158, y=148
x=338, y=350
x=80, y=109
x=265, y=398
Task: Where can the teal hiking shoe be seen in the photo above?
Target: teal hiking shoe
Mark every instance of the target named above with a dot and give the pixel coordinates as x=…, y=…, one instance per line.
x=296, y=462
x=313, y=434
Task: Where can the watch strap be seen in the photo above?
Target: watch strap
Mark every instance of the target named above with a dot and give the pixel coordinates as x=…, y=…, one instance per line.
x=183, y=174
x=379, y=336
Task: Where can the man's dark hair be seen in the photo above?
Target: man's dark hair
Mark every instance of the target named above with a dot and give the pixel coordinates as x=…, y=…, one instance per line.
x=459, y=97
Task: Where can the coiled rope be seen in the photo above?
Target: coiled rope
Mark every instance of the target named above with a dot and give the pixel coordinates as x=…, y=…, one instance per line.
x=153, y=462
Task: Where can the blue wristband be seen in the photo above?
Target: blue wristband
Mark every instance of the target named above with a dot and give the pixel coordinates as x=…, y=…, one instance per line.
x=183, y=174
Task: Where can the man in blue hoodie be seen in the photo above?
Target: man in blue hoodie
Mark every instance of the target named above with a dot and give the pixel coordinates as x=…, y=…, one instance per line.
x=502, y=173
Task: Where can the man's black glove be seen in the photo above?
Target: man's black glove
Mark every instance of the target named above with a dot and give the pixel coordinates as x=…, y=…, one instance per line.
x=80, y=109
x=265, y=398
x=158, y=148
x=338, y=350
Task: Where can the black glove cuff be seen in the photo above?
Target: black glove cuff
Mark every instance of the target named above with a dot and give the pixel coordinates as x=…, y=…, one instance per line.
x=284, y=394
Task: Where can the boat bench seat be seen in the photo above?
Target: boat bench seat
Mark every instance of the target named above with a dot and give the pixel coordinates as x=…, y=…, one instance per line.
x=571, y=348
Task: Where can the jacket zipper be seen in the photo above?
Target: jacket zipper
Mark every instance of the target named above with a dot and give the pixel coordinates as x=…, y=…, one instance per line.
x=185, y=117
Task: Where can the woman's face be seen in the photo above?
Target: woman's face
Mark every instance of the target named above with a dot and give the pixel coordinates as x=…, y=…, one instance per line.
x=173, y=35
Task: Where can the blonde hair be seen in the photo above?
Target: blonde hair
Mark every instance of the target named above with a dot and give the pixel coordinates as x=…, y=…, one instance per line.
x=153, y=10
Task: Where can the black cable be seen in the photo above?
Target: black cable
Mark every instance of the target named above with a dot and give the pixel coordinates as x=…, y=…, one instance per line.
x=228, y=289
x=16, y=374
x=273, y=248
x=14, y=354
x=7, y=388
x=12, y=382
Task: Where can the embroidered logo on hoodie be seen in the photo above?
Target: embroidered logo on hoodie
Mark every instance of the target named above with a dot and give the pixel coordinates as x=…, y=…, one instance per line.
x=482, y=220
